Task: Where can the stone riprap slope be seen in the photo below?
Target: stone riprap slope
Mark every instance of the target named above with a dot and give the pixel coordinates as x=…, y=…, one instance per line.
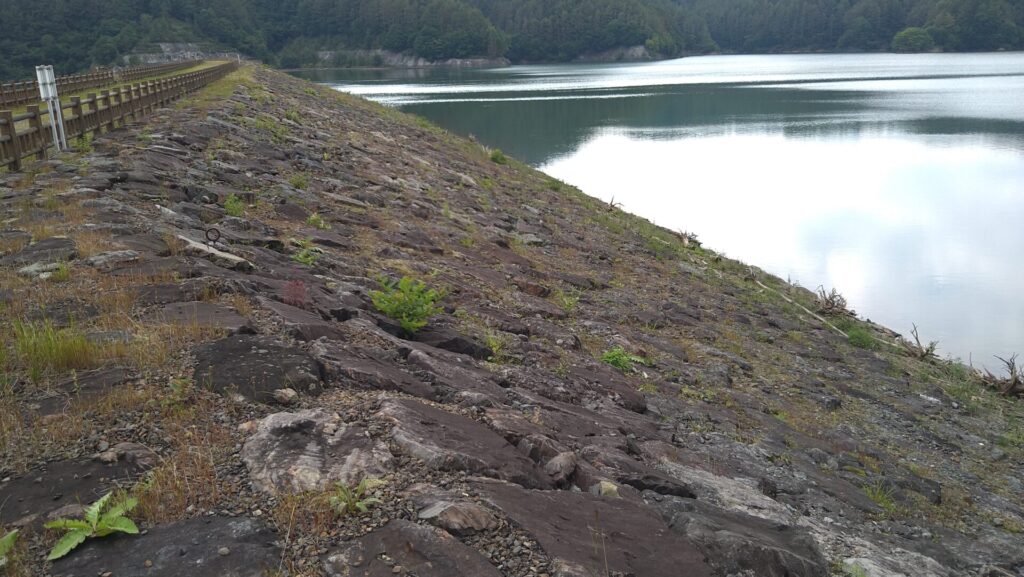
x=187, y=318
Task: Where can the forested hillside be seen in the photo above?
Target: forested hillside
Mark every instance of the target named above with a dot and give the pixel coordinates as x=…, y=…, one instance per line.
x=76, y=34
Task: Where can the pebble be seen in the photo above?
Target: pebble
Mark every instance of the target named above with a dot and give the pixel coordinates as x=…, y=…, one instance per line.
x=223, y=551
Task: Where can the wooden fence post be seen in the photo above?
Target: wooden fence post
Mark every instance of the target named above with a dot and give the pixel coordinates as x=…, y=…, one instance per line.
x=105, y=123
x=75, y=122
x=36, y=133
x=93, y=116
x=7, y=129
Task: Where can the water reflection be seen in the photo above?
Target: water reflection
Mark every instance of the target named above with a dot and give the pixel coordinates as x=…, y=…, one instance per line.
x=897, y=179
x=898, y=225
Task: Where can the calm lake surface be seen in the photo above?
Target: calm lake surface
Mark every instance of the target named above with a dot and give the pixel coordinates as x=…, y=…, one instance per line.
x=898, y=179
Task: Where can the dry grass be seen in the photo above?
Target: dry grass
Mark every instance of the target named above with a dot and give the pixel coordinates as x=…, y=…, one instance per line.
x=90, y=243
x=188, y=478
x=241, y=303
x=304, y=514
x=175, y=245
x=25, y=441
x=12, y=245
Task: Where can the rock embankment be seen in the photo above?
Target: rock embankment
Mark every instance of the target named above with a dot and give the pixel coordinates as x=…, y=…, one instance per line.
x=188, y=318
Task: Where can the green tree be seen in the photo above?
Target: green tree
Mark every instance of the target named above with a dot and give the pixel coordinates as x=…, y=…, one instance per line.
x=912, y=39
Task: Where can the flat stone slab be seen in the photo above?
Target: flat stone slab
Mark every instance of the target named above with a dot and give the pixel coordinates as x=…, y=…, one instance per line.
x=346, y=367
x=194, y=548
x=302, y=324
x=81, y=387
x=110, y=260
x=27, y=500
x=735, y=542
x=451, y=442
x=255, y=367
x=311, y=450
x=417, y=549
x=51, y=250
x=203, y=314
x=581, y=531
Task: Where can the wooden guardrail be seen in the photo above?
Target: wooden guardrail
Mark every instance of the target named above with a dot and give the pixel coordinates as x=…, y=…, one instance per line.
x=27, y=92
x=96, y=113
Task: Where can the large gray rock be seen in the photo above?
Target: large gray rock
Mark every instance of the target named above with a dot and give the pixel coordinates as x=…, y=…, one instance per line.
x=735, y=542
x=447, y=441
x=309, y=451
x=300, y=323
x=50, y=250
x=450, y=511
x=203, y=314
x=413, y=549
x=255, y=367
x=588, y=535
x=192, y=548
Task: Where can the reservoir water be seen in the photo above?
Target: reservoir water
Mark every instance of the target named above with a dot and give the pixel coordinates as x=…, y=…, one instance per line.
x=897, y=179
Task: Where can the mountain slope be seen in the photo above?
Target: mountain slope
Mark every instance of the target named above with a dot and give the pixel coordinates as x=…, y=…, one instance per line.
x=76, y=34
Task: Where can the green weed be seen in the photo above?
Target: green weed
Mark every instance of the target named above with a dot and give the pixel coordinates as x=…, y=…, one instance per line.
x=96, y=523
x=317, y=221
x=6, y=546
x=41, y=348
x=299, y=181
x=622, y=360
x=352, y=501
x=498, y=157
x=567, y=300
x=881, y=496
x=862, y=338
x=83, y=144
x=234, y=206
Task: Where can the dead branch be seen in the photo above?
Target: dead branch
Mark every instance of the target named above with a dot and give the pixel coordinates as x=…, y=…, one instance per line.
x=802, y=307
x=613, y=206
x=832, y=303
x=916, y=349
x=1013, y=383
x=689, y=239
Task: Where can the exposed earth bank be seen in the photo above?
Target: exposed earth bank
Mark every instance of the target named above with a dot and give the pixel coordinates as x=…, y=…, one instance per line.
x=187, y=318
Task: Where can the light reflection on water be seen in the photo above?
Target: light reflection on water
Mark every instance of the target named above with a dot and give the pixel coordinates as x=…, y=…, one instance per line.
x=897, y=179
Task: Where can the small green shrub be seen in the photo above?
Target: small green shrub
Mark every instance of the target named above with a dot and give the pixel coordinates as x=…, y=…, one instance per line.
x=6, y=546
x=317, y=221
x=862, y=338
x=881, y=495
x=498, y=157
x=234, y=206
x=97, y=523
x=648, y=388
x=293, y=115
x=83, y=144
x=299, y=181
x=622, y=360
x=407, y=301
x=352, y=501
x=307, y=256
x=62, y=274
x=498, y=343
x=567, y=300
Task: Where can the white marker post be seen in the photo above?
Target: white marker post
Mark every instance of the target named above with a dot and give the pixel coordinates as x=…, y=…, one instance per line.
x=48, y=93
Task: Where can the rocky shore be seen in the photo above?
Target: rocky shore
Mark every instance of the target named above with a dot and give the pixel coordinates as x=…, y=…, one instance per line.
x=188, y=317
